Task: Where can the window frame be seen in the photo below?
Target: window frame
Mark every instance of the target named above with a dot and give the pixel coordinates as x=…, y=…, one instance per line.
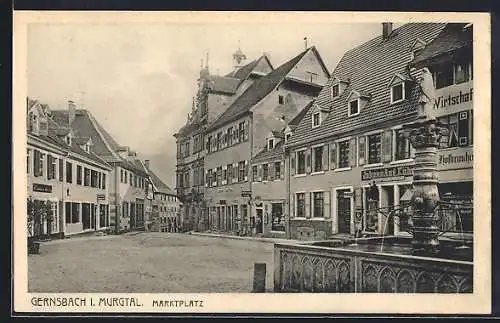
x=349, y=114
x=313, y=119
x=315, y=148
x=339, y=142
x=403, y=90
x=297, y=205
x=367, y=147
x=297, y=152
x=313, y=200
x=336, y=85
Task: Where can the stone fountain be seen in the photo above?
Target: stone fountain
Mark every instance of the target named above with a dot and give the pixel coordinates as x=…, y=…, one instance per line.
x=421, y=263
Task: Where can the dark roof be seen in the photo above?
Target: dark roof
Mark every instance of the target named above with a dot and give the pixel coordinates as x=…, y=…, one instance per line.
x=81, y=140
x=265, y=154
x=369, y=68
x=299, y=116
x=224, y=84
x=454, y=36
x=256, y=92
x=160, y=185
x=278, y=133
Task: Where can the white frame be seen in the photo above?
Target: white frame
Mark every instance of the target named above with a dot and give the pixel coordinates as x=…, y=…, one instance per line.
x=366, y=135
x=313, y=218
x=337, y=151
x=314, y=159
x=297, y=162
x=270, y=140
x=296, y=202
x=394, y=146
x=319, y=119
x=349, y=114
x=403, y=97
x=337, y=84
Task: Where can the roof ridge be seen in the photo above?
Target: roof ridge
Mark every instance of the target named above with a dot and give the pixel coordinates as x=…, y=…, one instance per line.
x=104, y=140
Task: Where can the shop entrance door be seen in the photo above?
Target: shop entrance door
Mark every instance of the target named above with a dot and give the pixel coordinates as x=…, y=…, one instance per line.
x=259, y=221
x=344, y=211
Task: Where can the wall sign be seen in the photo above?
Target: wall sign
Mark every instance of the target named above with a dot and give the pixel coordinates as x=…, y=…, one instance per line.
x=101, y=197
x=246, y=193
x=453, y=98
x=394, y=171
x=460, y=157
x=42, y=188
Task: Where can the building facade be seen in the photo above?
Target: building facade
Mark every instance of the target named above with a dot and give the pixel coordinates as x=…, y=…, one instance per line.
x=215, y=94
x=241, y=131
x=348, y=156
x=63, y=171
x=127, y=180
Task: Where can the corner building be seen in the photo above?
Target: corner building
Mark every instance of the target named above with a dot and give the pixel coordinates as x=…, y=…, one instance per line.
x=351, y=138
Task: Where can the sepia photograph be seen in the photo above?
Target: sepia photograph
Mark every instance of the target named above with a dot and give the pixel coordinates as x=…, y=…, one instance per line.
x=251, y=157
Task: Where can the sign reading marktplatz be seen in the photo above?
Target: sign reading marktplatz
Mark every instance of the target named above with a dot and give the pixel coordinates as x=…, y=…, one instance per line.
x=393, y=171
x=42, y=188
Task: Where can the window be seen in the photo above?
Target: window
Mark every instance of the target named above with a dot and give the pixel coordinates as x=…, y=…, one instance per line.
x=241, y=131
x=270, y=144
x=209, y=178
x=301, y=162
x=131, y=179
x=186, y=179
x=316, y=119
x=318, y=158
x=224, y=175
x=374, y=149
x=219, y=140
x=301, y=205
x=354, y=107
x=277, y=170
x=86, y=176
x=69, y=172
x=241, y=171
x=287, y=138
x=318, y=207
x=265, y=172
x=51, y=167
x=343, y=154
x=397, y=93
x=311, y=77
x=254, y=173
x=28, y=160
x=209, y=144
x=335, y=91
x=103, y=181
x=67, y=212
x=281, y=99
x=79, y=175
x=462, y=72
x=219, y=176
x=75, y=212
x=443, y=76
x=459, y=130
x=277, y=217
x=61, y=170
x=93, y=178
x=403, y=145
x=229, y=135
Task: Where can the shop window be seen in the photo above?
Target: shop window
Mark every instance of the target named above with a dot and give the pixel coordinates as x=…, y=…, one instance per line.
x=265, y=172
x=318, y=158
x=277, y=217
x=372, y=212
x=86, y=216
x=459, y=130
x=343, y=154
x=403, y=146
x=301, y=205
x=67, y=212
x=75, y=212
x=254, y=173
x=374, y=149
x=301, y=162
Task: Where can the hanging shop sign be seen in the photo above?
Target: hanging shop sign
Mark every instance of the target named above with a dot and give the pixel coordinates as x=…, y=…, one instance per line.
x=387, y=172
x=42, y=188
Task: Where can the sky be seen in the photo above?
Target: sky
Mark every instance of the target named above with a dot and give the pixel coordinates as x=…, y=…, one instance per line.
x=138, y=79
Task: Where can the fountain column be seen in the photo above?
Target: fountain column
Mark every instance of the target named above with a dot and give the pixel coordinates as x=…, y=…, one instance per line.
x=424, y=135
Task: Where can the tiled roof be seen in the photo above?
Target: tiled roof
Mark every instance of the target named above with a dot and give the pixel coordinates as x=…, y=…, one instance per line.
x=369, y=68
x=451, y=38
x=256, y=92
x=224, y=84
x=265, y=154
x=81, y=140
x=299, y=116
x=278, y=134
x=160, y=185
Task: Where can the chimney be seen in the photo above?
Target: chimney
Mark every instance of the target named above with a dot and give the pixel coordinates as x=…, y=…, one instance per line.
x=146, y=163
x=72, y=111
x=386, y=30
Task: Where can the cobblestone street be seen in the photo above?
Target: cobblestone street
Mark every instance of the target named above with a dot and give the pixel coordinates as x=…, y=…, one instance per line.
x=148, y=263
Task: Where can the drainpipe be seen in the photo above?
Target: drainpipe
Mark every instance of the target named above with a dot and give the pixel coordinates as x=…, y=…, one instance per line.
x=287, y=164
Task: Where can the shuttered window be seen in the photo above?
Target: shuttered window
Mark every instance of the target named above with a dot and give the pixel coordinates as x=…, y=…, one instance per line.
x=343, y=154
x=374, y=149
x=301, y=205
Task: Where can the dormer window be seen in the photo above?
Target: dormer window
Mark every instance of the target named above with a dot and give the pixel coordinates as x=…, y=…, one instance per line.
x=270, y=144
x=316, y=119
x=288, y=137
x=335, y=91
x=398, y=92
x=281, y=99
x=353, y=107
x=68, y=140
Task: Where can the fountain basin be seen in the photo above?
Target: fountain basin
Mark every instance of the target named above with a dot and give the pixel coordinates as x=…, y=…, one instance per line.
x=383, y=265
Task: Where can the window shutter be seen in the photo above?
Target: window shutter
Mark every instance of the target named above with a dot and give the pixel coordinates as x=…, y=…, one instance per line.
x=333, y=155
x=246, y=130
x=292, y=205
x=224, y=180
x=308, y=205
x=246, y=170
x=292, y=163
x=387, y=146
x=325, y=157
x=271, y=171
x=282, y=170
x=235, y=173
x=259, y=173
x=362, y=151
x=308, y=160
x=326, y=199
x=352, y=152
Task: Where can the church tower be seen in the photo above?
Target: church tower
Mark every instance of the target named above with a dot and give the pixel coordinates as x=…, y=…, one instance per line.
x=238, y=58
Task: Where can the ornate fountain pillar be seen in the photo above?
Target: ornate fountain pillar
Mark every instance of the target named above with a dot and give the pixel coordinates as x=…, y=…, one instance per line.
x=424, y=135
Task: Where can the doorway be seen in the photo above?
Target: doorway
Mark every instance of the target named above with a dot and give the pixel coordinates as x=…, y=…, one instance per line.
x=387, y=206
x=259, y=221
x=344, y=210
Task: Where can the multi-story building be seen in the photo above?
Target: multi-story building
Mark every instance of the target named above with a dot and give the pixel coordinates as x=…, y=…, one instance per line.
x=240, y=132
x=348, y=153
x=215, y=94
x=166, y=207
x=127, y=181
x=64, y=172
x=269, y=183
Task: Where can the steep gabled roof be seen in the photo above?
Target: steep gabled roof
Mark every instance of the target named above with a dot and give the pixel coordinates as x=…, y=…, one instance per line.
x=256, y=92
x=300, y=115
x=453, y=37
x=369, y=68
x=265, y=154
x=160, y=185
x=224, y=84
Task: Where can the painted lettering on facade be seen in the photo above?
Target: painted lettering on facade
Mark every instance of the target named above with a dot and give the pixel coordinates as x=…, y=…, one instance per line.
x=456, y=159
x=394, y=171
x=453, y=99
x=42, y=188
